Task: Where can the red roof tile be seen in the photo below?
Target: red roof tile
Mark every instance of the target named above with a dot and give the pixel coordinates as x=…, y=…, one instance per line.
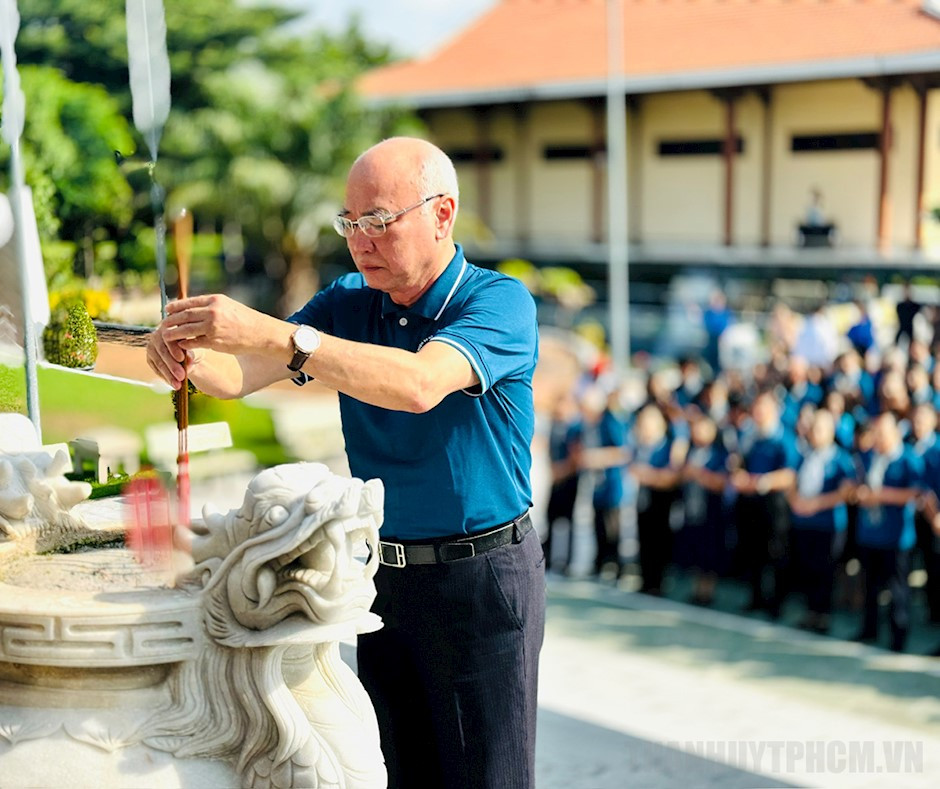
x=523, y=44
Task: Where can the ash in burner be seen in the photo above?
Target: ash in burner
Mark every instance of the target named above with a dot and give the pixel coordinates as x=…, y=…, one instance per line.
x=84, y=570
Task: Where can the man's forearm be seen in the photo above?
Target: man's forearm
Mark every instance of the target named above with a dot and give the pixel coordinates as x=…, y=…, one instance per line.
x=391, y=378
x=222, y=375
x=260, y=349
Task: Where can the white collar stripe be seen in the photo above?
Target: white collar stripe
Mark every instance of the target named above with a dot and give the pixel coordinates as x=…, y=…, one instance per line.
x=452, y=289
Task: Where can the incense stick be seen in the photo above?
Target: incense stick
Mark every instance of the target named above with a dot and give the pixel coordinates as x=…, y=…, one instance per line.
x=183, y=232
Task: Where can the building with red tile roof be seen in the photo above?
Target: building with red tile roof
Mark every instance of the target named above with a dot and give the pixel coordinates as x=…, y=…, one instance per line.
x=763, y=137
x=553, y=49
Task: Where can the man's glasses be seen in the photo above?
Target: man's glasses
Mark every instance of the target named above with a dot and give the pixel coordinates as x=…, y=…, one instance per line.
x=374, y=225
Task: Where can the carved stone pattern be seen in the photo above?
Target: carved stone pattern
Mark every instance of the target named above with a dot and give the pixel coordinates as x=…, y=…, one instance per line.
x=89, y=641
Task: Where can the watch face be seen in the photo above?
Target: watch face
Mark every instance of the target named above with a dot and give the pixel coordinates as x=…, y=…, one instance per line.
x=306, y=339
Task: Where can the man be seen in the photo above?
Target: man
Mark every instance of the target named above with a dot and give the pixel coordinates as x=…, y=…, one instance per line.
x=893, y=476
x=819, y=517
x=926, y=446
x=604, y=437
x=433, y=359
x=564, y=449
x=766, y=461
x=907, y=310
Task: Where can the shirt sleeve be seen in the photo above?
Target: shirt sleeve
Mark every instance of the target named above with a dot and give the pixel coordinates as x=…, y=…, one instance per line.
x=496, y=331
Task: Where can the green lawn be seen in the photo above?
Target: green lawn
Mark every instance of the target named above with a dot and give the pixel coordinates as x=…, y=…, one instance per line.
x=70, y=402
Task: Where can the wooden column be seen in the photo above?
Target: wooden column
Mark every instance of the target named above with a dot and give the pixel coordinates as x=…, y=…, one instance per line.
x=884, y=178
x=483, y=163
x=920, y=88
x=523, y=173
x=635, y=175
x=765, y=93
x=598, y=167
x=729, y=149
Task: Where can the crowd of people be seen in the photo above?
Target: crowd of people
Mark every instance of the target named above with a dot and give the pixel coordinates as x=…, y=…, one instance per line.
x=824, y=456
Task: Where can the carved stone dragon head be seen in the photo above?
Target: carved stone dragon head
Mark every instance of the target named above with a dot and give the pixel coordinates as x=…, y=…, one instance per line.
x=299, y=552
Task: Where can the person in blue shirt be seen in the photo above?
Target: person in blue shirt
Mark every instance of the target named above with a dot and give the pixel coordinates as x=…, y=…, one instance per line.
x=926, y=446
x=918, y=384
x=855, y=382
x=935, y=379
x=604, y=438
x=862, y=333
x=658, y=481
x=765, y=463
x=819, y=517
x=704, y=478
x=801, y=391
x=716, y=318
x=891, y=483
x=564, y=449
x=433, y=360
x=844, y=421
x=690, y=382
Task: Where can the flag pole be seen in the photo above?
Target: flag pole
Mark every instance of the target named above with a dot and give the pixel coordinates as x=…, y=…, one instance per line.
x=14, y=111
x=618, y=231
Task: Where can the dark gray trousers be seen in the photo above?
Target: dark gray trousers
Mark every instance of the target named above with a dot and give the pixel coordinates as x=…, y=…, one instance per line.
x=453, y=674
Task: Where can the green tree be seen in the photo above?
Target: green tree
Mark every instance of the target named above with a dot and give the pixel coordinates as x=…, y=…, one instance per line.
x=70, y=134
x=271, y=150
x=87, y=41
x=263, y=123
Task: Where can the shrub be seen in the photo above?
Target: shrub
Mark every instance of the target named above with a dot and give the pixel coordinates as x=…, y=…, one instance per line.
x=71, y=339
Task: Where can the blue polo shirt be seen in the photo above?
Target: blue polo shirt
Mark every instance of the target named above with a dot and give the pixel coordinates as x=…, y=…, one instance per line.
x=888, y=526
x=828, y=469
x=928, y=450
x=609, y=431
x=464, y=465
x=765, y=453
x=795, y=399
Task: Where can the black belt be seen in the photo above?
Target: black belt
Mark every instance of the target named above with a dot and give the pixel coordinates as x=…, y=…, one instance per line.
x=450, y=549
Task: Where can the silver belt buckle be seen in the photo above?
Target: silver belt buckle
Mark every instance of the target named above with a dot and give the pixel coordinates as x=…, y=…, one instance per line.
x=399, y=554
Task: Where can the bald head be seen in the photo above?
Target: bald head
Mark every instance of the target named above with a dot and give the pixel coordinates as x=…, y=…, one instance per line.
x=412, y=161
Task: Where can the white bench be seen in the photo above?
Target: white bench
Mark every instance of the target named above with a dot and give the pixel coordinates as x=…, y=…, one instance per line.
x=210, y=450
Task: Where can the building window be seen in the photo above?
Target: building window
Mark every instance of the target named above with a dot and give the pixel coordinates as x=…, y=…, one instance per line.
x=489, y=153
x=568, y=152
x=697, y=147
x=851, y=141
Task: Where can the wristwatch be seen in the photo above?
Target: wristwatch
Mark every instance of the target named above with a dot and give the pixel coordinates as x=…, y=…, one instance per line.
x=305, y=340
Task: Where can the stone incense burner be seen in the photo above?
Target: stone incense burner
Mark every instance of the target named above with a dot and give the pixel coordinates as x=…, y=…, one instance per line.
x=111, y=675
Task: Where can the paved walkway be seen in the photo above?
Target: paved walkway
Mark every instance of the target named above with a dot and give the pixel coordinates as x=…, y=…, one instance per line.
x=653, y=693
x=637, y=691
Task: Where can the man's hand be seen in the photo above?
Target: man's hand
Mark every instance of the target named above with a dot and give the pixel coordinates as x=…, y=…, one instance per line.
x=166, y=358
x=218, y=323
x=803, y=508
x=865, y=496
x=743, y=482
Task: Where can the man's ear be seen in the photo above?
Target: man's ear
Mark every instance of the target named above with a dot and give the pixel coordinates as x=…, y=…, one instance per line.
x=445, y=217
